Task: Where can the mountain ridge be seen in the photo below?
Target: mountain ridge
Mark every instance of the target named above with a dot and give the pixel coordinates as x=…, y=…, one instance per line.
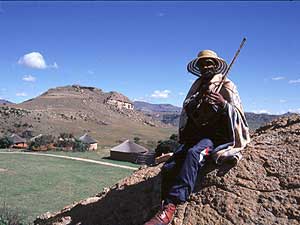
x=170, y=114
x=5, y=102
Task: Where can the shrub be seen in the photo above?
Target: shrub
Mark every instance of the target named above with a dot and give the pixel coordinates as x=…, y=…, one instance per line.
x=5, y=142
x=174, y=137
x=166, y=146
x=137, y=140
x=79, y=146
x=65, y=140
x=66, y=135
x=42, y=141
x=10, y=217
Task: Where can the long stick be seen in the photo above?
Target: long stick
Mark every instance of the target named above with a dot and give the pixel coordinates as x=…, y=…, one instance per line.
x=233, y=60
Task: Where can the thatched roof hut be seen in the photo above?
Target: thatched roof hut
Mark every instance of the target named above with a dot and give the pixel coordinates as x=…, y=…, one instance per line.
x=18, y=142
x=127, y=151
x=16, y=139
x=93, y=144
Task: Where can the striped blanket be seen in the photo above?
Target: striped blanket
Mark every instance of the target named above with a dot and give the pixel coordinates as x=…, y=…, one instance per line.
x=238, y=133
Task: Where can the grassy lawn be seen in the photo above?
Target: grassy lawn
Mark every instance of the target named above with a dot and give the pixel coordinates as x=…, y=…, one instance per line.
x=99, y=155
x=37, y=184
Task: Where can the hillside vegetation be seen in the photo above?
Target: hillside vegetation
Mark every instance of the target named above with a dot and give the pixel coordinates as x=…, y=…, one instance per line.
x=78, y=110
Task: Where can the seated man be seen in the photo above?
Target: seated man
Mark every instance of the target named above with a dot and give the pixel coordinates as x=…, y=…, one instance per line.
x=211, y=124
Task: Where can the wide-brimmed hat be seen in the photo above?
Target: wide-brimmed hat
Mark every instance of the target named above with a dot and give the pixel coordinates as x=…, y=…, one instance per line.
x=193, y=66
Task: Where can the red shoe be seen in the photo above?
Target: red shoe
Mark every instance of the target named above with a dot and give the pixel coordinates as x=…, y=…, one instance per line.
x=164, y=216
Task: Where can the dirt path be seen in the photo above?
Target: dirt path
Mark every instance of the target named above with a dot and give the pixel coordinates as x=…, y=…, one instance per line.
x=73, y=158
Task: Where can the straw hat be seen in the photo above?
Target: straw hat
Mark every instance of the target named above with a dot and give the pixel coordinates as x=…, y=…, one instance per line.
x=193, y=66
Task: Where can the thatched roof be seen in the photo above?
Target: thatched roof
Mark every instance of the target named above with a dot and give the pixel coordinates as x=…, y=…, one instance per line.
x=129, y=146
x=16, y=139
x=87, y=139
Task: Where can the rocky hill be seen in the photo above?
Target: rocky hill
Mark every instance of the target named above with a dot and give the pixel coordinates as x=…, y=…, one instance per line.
x=169, y=114
x=264, y=188
x=166, y=113
x=5, y=102
x=149, y=107
x=78, y=109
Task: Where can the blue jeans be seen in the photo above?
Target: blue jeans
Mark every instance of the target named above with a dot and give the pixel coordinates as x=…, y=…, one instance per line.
x=180, y=172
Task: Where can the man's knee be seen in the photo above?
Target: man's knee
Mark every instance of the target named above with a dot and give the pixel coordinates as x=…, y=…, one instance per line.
x=205, y=143
x=200, y=146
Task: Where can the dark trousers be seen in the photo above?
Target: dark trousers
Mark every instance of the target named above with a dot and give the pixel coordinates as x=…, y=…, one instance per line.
x=180, y=172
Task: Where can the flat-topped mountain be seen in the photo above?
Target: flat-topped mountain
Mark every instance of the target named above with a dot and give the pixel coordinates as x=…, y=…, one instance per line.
x=108, y=116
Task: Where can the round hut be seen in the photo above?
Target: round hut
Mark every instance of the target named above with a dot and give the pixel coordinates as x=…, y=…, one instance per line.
x=128, y=151
x=18, y=142
x=93, y=144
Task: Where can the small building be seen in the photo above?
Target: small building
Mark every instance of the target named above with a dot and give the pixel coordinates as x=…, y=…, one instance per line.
x=119, y=100
x=93, y=144
x=128, y=151
x=18, y=142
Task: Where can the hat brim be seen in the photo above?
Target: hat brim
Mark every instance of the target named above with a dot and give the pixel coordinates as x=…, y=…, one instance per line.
x=193, y=67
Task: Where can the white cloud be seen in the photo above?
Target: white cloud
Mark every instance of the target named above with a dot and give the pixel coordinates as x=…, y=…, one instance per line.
x=29, y=78
x=294, y=81
x=181, y=93
x=282, y=100
x=21, y=94
x=262, y=111
x=294, y=110
x=35, y=60
x=278, y=78
x=161, y=94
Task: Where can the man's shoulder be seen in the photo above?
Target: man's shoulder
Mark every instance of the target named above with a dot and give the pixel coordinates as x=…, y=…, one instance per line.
x=228, y=84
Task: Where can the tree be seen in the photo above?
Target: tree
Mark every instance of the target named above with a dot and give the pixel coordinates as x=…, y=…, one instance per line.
x=136, y=139
x=42, y=141
x=66, y=135
x=174, y=137
x=80, y=146
x=165, y=147
x=5, y=142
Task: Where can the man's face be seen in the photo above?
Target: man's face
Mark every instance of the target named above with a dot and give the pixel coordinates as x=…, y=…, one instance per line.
x=207, y=67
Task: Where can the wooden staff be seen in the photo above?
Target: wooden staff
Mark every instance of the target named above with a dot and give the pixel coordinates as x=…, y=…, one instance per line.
x=233, y=60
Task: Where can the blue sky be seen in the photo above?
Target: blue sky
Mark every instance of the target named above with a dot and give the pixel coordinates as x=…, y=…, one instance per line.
x=141, y=49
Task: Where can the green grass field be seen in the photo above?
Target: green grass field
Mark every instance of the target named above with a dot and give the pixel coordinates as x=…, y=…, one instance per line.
x=36, y=184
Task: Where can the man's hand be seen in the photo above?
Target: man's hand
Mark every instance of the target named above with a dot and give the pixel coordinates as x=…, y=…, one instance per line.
x=215, y=98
